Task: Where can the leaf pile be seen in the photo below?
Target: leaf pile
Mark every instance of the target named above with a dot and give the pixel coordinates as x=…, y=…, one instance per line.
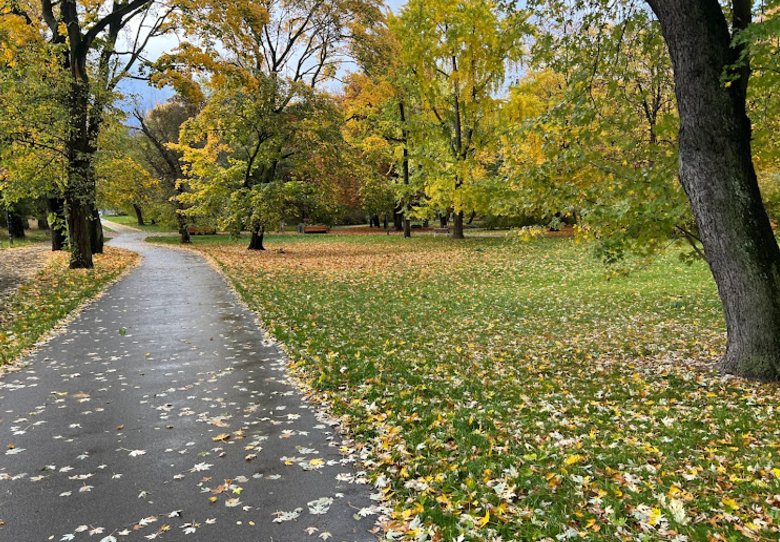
x=514, y=392
x=38, y=304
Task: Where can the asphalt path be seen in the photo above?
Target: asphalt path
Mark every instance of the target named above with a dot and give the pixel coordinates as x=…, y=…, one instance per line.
x=163, y=412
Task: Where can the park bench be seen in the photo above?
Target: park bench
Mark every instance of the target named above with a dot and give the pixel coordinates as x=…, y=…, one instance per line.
x=315, y=229
x=201, y=230
x=441, y=231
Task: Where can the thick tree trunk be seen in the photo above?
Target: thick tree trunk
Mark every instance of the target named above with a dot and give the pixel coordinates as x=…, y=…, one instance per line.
x=16, y=225
x=407, y=227
x=457, y=225
x=79, y=214
x=58, y=225
x=96, y=232
x=256, y=242
x=717, y=173
x=139, y=214
x=80, y=193
x=444, y=219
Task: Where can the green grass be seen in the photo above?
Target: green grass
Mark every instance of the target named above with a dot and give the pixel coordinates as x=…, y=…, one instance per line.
x=31, y=237
x=41, y=302
x=519, y=391
x=131, y=221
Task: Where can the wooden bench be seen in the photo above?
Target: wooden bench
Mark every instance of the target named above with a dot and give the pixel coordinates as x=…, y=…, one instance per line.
x=441, y=231
x=315, y=229
x=201, y=230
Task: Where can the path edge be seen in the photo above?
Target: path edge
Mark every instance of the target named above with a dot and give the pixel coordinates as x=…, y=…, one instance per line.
x=20, y=362
x=323, y=409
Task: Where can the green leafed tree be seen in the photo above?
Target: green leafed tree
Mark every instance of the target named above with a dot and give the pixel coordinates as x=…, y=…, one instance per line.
x=459, y=54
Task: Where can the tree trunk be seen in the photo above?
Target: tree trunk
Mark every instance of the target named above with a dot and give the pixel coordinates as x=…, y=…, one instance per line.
x=457, y=225
x=184, y=235
x=256, y=242
x=96, y=232
x=79, y=214
x=16, y=225
x=139, y=214
x=717, y=173
x=398, y=218
x=58, y=224
x=444, y=219
x=407, y=227
x=80, y=192
x=472, y=217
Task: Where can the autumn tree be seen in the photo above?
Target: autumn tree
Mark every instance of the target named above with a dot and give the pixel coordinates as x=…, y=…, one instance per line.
x=590, y=135
x=380, y=108
x=459, y=54
x=33, y=154
x=160, y=129
x=94, y=57
x=265, y=65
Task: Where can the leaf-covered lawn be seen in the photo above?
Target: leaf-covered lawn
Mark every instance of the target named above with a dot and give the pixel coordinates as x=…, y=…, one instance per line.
x=512, y=391
x=41, y=302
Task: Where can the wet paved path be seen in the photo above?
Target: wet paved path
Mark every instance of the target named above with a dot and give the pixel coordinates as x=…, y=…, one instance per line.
x=162, y=413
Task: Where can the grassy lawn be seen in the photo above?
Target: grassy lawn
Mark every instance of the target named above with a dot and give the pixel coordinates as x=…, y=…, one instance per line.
x=31, y=237
x=514, y=391
x=131, y=221
x=40, y=303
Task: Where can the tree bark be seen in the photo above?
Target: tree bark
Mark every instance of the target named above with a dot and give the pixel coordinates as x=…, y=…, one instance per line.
x=256, y=242
x=139, y=214
x=80, y=193
x=717, y=173
x=96, y=231
x=58, y=225
x=457, y=225
x=79, y=233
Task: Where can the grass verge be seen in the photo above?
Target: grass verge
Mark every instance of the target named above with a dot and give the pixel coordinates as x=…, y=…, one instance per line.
x=517, y=391
x=30, y=237
x=36, y=307
x=127, y=220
